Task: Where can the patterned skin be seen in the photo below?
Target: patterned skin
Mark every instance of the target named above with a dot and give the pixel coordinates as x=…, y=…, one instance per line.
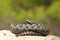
x=31, y=28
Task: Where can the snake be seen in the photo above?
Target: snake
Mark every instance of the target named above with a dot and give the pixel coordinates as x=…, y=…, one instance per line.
x=29, y=29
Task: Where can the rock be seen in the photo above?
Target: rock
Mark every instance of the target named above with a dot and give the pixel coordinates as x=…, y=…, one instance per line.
x=7, y=35
x=49, y=37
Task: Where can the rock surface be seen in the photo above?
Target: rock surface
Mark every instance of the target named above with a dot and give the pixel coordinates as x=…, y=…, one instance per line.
x=7, y=35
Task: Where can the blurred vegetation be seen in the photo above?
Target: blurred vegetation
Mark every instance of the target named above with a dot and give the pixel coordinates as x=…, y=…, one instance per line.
x=17, y=11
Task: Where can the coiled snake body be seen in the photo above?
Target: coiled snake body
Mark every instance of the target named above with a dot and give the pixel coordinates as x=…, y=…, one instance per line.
x=30, y=28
